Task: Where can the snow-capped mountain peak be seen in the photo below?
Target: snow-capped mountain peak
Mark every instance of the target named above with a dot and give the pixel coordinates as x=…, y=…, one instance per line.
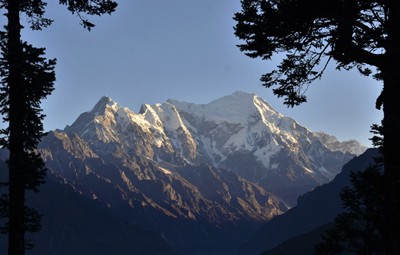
x=237, y=107
x=240, y=126
x=242, y=121
x=104, y=103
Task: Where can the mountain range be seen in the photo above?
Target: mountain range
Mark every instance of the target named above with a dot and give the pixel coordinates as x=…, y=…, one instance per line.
x=239, y=132
x=200, y=179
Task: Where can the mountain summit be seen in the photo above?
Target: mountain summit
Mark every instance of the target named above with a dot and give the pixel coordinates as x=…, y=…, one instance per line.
x=240, y=132
x=212, y=173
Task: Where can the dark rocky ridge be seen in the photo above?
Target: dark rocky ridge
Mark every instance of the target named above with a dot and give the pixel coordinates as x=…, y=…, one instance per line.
x=314, y=209
x=200, y=203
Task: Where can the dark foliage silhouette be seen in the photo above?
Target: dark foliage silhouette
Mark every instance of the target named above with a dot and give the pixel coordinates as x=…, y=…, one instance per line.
x=27, y=77
x=358, y=230
x=355, y=34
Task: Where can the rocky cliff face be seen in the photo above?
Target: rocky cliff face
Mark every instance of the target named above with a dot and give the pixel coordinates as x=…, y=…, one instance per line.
x=195, y=208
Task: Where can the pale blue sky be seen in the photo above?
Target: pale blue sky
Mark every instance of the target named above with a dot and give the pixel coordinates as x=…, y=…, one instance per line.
x=151, y=50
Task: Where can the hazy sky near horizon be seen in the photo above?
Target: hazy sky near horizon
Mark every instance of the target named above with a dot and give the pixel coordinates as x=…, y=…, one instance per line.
x=151, y=50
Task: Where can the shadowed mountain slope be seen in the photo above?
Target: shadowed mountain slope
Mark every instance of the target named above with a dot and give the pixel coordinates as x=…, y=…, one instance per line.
x=74, y=224
x=314, y=209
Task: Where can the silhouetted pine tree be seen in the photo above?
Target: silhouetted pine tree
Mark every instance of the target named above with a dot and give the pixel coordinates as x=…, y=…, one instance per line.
x=360, y=229
x=355, y=34
x=27, y=78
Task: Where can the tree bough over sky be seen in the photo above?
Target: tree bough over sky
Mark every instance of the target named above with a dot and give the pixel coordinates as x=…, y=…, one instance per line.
x=311, y=34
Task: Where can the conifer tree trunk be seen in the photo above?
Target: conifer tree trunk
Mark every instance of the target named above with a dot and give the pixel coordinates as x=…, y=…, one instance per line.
x=17, y=177
x=391, y=129
x=391, y=161
x=27, y=77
